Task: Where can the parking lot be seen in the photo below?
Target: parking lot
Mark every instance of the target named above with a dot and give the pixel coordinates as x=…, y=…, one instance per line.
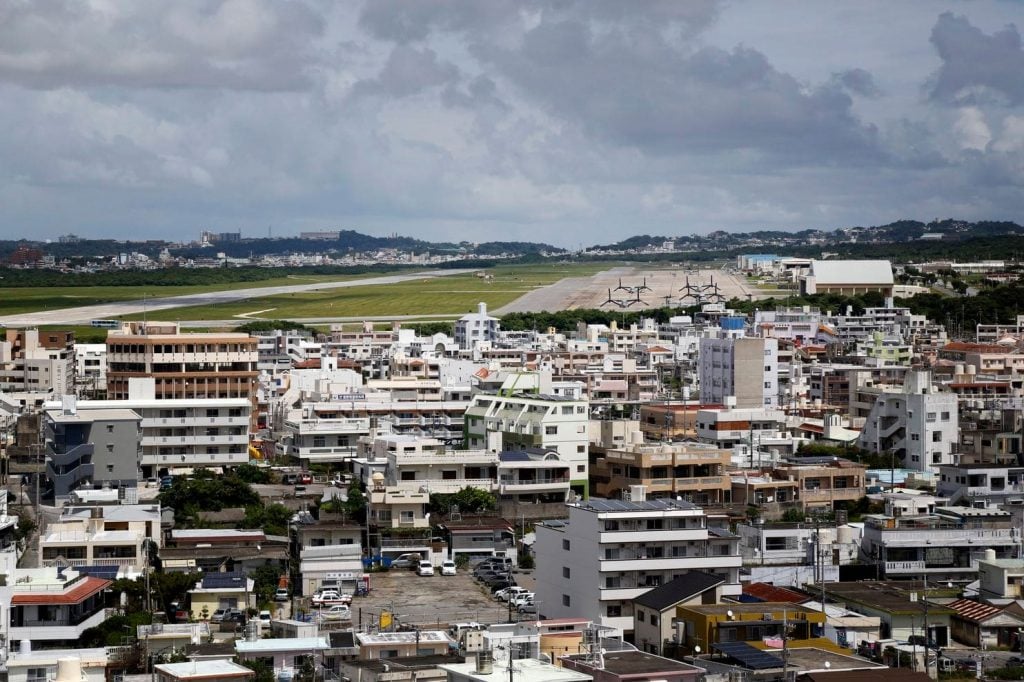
x=430, y=602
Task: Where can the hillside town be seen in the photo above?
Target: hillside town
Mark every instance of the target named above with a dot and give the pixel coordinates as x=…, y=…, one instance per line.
x=787, y=494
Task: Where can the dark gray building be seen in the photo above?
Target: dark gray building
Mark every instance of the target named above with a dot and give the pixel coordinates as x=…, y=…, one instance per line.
x=90, y=448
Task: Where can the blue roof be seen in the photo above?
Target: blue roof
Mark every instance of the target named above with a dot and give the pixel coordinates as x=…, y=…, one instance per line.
x=514, y=456
x=749, y=656
x=105, y=572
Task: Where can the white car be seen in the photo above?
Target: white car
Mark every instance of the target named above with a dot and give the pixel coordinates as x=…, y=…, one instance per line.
x=264, y=617
x=425, y=568
x=336, y=612
x=510, y=592
x=448, y=567
x=330, y=598
x=522, y=599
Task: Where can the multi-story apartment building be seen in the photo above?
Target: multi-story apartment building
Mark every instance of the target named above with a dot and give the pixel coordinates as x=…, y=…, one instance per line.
x=946, y=545
x=918, y=424
x=611, y=551
x=181, y=433
x=35, y=364
x=823, y=483
x=102, y=535
x=761, y=431
x=533, y=418
x=738, y=366
x=181, y=366
x=693, y=471
x=476, y=328
x=92, y=447
x=90, y=369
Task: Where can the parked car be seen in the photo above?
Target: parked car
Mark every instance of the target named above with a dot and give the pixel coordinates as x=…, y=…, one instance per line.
x=410, y=560
x=264, y=617
x=281, y=594
x=289, y=479
x=218, y=615
x=494, y=587
x=336, y=612
x=305, y=478
x=531, y=607
x=521, y=599
x=448, y=567
x=425, y=568
x=510, y=592
x=330, y=598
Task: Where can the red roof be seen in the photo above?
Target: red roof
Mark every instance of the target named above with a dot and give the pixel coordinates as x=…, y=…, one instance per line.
x=766, y=592
x=307, y=364
x=79, y=592
x=813, y=428
x=973, y=610
x=966, y=347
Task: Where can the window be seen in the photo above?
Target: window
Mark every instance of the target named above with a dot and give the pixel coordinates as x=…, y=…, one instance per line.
x=945, y=416
x=767, y=384
x=566, y=601
x=36, y=675
x=408, y=475
x=654, y=619
x=319, y=441
x=639, y=616
x=566, y=572
x=929, y=417
x=915, y=436
x=406, y=517
x=614, y=611
x=110, y=447
x=110, y=428
x=936, y=436
x=580, y=468
x=551, y=430
x=581, y=448
x=565, y=545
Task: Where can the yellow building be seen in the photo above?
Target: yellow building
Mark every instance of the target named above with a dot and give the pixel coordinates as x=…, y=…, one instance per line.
x=704, y=625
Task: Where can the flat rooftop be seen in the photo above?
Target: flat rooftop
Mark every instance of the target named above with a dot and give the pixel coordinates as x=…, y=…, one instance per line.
x=639, y=663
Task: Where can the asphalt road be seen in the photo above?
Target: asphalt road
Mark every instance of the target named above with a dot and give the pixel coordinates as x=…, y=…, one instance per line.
x=85, y=314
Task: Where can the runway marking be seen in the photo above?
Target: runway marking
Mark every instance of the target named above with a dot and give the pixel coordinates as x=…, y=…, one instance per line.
x=254, y=312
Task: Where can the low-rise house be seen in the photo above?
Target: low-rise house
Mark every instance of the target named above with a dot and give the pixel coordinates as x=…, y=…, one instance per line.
x=403, y=669
x=218, y=549
x=207, y=671
x=397, y=507
x=342, y=564
x=85, y=665
x=1000, y=579
x=902, y=607
x=373, y=646
x=54, y=606
x=286, y=657
x=654, y=610
x=480, y=537
x=985, y=484
x=985, y=626
x=483, y=669
x=706, y=625
x=620, y=666
x=221, y=591
x=847, y=628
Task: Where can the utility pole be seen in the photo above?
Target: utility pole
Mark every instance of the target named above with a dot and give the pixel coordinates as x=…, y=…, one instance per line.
x=927, y=634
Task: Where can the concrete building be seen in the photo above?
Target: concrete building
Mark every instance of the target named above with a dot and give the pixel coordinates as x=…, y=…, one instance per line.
x=181, y=433
x=848, y=277
x=694, y=471
x=1001, y=579
x=609, y=552
x=52, y=607
x=476, y=328
x=946, y=545
x=34, y=364
x=533, y=417
x=90, y=369
x=918, y=424
x=740, y=367
x=102, y=535
x=181, y=366
x=91, y=448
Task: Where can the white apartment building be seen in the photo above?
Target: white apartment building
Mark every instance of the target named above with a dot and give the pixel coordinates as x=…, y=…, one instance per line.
x=735, y=365
x=35, y=363
x=534, y=418
x=917, y=423
x=476, y=328
x=90, y=368
x=609, y=552
x=946, y=545
x=102, y=535
x=184, y=432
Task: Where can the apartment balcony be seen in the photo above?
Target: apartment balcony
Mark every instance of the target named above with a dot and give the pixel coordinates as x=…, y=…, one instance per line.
x=830, y=494
x=509, y=486
x=652, y=535
x=670, y=563
x=72, y=456
x=948, y=537
x=328, y=426
x=124, y=562
x=59, y=629
x=444, y=486
x=194, y=440
x=193, y=421
x=893, y=568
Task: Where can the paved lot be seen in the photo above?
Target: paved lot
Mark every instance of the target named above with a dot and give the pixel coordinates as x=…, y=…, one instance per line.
x=666, y=287
x=429, y=602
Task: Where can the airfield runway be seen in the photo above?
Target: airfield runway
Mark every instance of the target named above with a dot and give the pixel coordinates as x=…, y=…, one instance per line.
x=85, y=314
x=624, y=285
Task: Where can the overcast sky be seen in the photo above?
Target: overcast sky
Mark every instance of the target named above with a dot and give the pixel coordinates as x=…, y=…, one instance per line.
x=565, y=121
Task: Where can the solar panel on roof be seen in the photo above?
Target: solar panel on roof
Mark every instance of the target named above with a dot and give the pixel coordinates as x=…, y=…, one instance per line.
x=105, y=572
x=749, y=656
x=220, y=580
x=513, y=457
